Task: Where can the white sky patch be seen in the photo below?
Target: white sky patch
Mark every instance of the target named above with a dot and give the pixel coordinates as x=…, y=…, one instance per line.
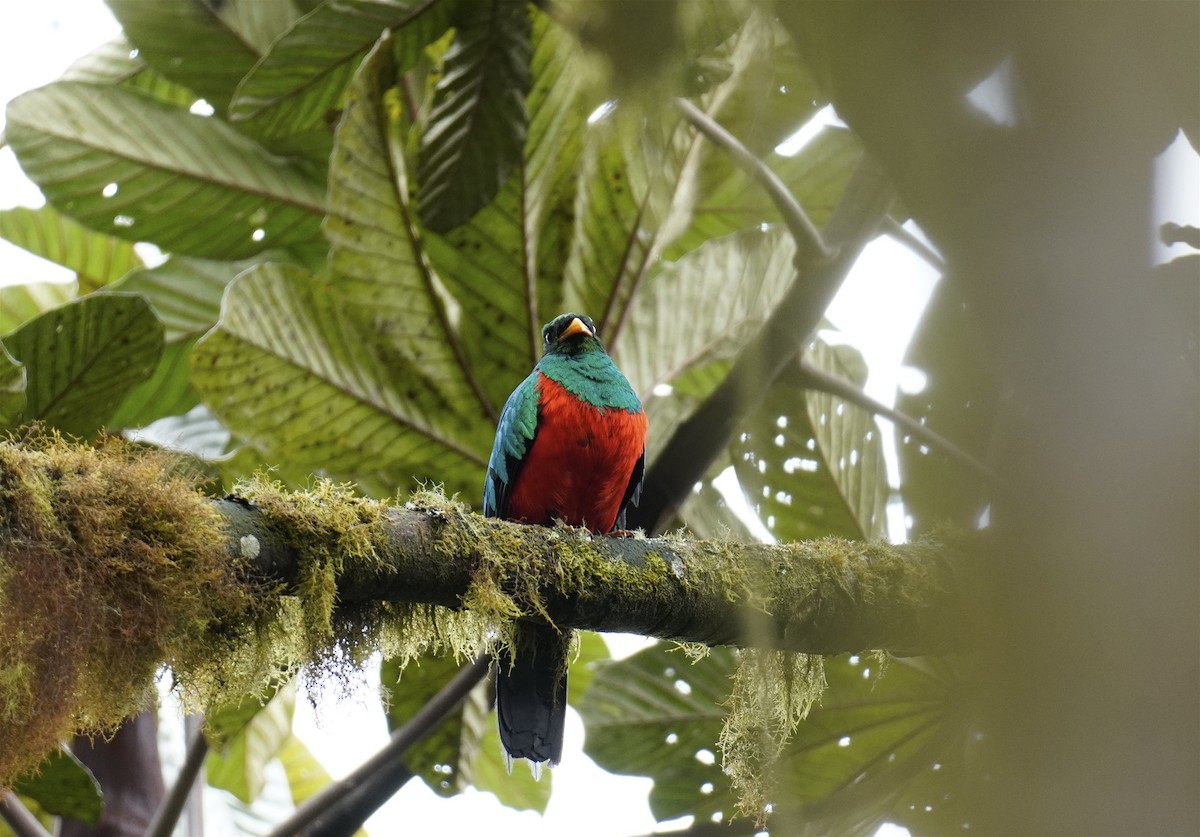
x=1176, y=196
x=806, y=133
x=731, y=491
x=994, y=97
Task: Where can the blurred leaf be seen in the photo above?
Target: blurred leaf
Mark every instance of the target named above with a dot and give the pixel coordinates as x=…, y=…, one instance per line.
x=251, y=735
x=79, y=141
x=19, y=303
x=301, y=81
x=97, y=259
x=287, y=368
x=810, y=463
x=204, y=46
x=380, y=267
x=657, y=714
x=959, y=397
x=118, y=62
x=12, y=389
x=83, y=357
x=63, y=786
x=505, y=264
x=475, y=133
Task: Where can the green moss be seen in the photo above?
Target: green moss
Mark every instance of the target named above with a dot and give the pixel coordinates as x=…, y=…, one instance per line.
x=110, y=565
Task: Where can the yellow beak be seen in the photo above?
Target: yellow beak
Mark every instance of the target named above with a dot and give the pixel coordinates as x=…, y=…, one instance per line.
x=576, y=327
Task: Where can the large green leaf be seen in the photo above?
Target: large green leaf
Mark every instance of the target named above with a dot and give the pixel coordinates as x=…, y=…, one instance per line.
x=287, y=368
x=637, y=189
x=727, y=287
x=304, y=773
x=505, y=265
x=117, y=62
x=811, y=463
x=302, y=79
x=63, y=786
x=185, y=293
x=475, y=133
x=436, y=757
x=83, y=357
x=19, y=303
x=131, y=166
x=205, y=46
x=381, y=269
x=12, y=389
x=97, y=259
x=253, y=735
x=658, y=714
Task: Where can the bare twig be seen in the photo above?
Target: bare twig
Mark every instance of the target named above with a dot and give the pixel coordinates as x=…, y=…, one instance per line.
x=172, y=805
x=809, y=244
x=18, y=817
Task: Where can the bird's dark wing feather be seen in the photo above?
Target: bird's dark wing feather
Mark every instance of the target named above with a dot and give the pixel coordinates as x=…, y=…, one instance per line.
x=633, y=491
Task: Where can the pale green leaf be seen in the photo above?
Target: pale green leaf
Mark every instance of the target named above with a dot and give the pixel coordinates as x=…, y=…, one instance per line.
x=118, y=62
x=475, y=133
x=83, y=357
x=128, y=165
x=728, y=287
x=19, y=303
x=97, y=259
x=12, y=389
x=304, y=773
x=380, y=266
x=238, y=764
x=167, y=392
x=812, y=464
x=517, y=790
x=185, y=293
x=204, y=46
x=301, y=81
x=505, y=265
x=288, y=369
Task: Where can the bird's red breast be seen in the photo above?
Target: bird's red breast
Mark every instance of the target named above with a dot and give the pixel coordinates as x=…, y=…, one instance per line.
x=580, y=462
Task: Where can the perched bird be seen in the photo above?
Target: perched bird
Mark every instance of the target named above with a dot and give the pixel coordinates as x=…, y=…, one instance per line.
x=570, y=446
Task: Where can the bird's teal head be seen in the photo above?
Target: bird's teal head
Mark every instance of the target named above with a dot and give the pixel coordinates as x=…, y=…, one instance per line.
x=569, y=335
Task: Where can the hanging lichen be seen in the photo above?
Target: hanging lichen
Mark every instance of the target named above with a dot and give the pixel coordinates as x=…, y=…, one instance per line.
x=772, y=693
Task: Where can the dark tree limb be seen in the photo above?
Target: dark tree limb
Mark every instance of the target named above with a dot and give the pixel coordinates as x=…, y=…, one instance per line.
x=17, y=817
x=173, y=803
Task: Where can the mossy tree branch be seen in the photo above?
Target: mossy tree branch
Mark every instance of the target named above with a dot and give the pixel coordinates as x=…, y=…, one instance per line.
x=111, y=562
x=825, y=596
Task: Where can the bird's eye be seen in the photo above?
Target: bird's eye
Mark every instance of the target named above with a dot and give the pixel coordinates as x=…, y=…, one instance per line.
x=546, y=336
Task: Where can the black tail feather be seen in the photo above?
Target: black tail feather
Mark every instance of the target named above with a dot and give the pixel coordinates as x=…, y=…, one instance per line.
x=531, y=693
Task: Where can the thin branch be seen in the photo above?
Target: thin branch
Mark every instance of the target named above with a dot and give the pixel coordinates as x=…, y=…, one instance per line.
x=173, y=803
x=342, y=806
x=18, y=817
x=825, y=381
x=809, y=243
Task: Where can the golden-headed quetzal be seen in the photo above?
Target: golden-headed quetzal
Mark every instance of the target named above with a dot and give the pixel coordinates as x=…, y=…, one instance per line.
x=570, y=446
